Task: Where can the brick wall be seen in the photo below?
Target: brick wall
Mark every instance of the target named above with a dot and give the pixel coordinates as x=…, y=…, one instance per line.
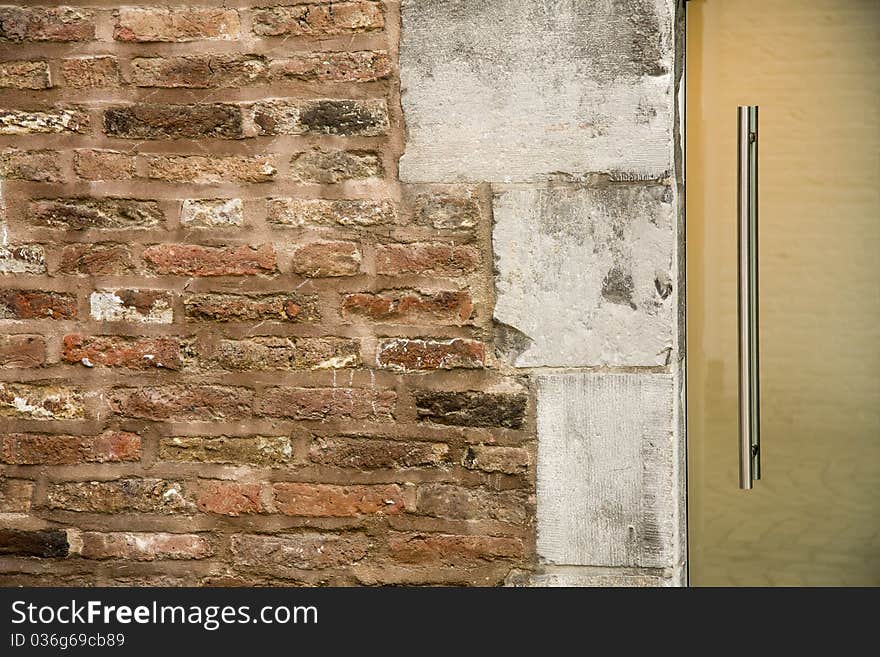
x=235, y=349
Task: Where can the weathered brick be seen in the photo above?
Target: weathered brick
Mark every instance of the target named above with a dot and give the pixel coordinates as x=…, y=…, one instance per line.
x=303, y=551
x=452, y=550
x=244, y=308
x=16, y=495
x=47, y=24
x=251, y=450
x=471, y=408
x=174, y=121
x=22, y=351
x=205, y=170
x=143, y=546
x=24, y=259
x=447, y=211
x=212, y=213
x=229, y=498
x=34, y=304
x=94, y=164
x=120, y=495
x=39, y=401
x=410, y=306
x=58, y=120
x=41, y=449
x=349, y=118
x=199, y=71
x=298, y=212
x=25, y=75
x=99, y=213
x=331, y=167
x=406, y=354
x=459, y=503
x=318, y=500
x=319, y=259
x=271, y=353
x=36, y=166
x=90, y=72
x=319, y=20
x=322, y=403
x=426, y=258
x=493, y=458
x=142, y=306
x=182, y=402
x=356, y=66
x=46, y=543
x=118, y=351
x=95, y=259
x=194, y=260
x=170, y=24
x=368, y=454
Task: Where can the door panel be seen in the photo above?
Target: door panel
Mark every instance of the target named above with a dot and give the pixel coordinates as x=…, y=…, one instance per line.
x=813, y=68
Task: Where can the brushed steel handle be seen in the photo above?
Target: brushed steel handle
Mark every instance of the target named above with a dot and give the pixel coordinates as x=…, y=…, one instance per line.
x=747, y=206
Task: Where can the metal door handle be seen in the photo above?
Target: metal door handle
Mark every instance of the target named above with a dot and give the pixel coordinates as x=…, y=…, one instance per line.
x=747, y=206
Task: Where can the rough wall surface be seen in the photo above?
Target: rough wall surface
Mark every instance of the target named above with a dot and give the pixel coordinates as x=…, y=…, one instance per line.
x=235, y=348
x=569, y=110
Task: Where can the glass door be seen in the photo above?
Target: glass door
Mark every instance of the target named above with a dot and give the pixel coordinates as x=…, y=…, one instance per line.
x=813, y=69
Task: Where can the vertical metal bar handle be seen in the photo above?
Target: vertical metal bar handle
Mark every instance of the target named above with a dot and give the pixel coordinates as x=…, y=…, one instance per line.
x=747, y=205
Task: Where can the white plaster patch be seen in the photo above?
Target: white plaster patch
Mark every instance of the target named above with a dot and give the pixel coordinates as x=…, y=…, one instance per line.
x=108, y=307
x=585, y=273
x=606, y=472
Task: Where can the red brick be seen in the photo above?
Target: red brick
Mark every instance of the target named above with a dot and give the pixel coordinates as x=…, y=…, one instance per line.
x=94, y=164
x=143, y=546
x=298, y=212
x=205, y=170
x=369, y=454
x=357, y=66
x=174, y=121
x=447, y=211
x=22, y=351
x=319, y=20
x=320, y=259
x=229, y=498
x=90, y=72
x=175, y=24
x=48, y=121
x=408, y=306
x=258, y=307
x=318, y=500
x=452, y=550
x=97, y=213
x=25, y=75
x=45, y=543
x=405, y=354
x=199, y=71
x=426, y=258
x=120, y=495
x=22, y=259
x=34, y=304
x=16, y=495
x=278, y=353
x=347, y=118
x=115, y=351
x=47, y=24
x=36, y=166
x=493, y=458
x=33, y=449
x=459, y=503
x=193, y=260
x=95, y=259
x=321, y=403
x=303, y=551
x=182, y=402
x=41, y=401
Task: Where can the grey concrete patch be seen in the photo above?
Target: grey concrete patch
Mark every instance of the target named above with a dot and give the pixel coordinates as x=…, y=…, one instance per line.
x=531, y=90
x=585, y=275
x=606, y=470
